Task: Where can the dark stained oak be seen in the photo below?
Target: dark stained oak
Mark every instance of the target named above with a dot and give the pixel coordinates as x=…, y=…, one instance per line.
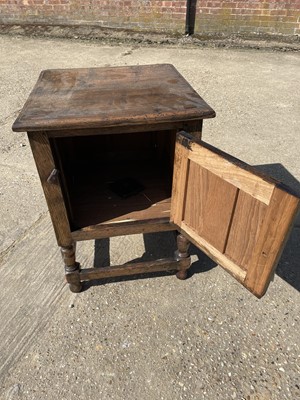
x=189, y=126
x=166, y=264
x=182, y=254
x=45, y=164
x=72, y=268
x=89, y=128
x=104, y=97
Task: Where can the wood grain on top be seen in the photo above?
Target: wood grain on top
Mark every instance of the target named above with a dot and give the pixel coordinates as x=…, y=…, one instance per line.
x=118, y=96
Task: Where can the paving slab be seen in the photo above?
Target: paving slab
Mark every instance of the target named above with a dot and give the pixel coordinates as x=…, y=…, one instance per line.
x=149, y=338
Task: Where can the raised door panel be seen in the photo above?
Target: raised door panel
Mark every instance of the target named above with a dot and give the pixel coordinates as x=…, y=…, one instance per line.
x=238, y=217
x=246, y=223
x=209, y=214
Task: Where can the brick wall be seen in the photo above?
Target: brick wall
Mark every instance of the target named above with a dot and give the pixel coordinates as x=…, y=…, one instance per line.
x=251, y=16
x=210, y=17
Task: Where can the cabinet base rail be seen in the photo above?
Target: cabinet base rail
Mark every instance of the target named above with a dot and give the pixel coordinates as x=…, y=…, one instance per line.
x=77, y=276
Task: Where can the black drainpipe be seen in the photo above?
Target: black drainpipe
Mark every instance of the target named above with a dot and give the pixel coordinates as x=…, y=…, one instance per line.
x=190, y=16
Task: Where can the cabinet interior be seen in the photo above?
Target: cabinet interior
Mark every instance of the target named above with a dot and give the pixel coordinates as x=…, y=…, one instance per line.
x=89, y=165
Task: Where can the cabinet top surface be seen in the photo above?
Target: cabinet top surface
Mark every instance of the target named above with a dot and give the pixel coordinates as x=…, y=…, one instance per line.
x=106, y=97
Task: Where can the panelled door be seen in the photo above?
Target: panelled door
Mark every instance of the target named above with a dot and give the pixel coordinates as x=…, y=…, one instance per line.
x=238, y=217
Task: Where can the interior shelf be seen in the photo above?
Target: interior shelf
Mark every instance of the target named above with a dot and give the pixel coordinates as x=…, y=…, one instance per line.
x=94, y=202
x=90, y=165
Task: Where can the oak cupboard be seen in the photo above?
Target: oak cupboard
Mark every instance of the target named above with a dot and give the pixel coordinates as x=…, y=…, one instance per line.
x=119, y=151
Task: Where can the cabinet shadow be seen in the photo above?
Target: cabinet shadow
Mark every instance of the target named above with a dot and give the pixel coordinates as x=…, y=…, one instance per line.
x=288, y=267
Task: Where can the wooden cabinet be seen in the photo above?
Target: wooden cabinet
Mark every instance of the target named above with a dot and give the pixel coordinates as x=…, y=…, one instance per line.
x=119, y=151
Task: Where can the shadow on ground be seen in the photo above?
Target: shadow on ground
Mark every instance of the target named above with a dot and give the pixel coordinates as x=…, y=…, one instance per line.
x=157, y=245
x=289, y=264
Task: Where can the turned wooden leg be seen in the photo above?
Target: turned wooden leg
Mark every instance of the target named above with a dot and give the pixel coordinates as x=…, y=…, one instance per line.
x=71, y=268
x=183, y=245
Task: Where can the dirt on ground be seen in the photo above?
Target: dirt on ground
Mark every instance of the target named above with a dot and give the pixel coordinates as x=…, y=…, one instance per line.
x=145, y=38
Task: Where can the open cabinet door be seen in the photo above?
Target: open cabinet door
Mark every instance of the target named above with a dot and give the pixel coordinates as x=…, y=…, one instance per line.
x=238, y=217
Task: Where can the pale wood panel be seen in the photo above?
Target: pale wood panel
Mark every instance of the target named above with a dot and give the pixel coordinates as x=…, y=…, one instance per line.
x=180, y=174
x=259, y=224
x=42, y=154
x=209, y=205
x=245, y=229
x=271, y=240
x=213, y=253
x=230, y=172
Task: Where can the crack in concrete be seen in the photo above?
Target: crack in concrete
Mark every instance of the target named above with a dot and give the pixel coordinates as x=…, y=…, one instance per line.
x=6, y=252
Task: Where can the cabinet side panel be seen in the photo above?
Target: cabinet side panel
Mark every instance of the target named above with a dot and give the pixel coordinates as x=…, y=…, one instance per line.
x=42, y=154
x=181, y=167
x=246, y=224
x=209, y=205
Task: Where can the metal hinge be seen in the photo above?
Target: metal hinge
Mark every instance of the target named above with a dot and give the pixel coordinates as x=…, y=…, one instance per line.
x=53, y=177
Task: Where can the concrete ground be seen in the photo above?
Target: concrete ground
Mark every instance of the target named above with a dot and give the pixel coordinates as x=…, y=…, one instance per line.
x=152, y=338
